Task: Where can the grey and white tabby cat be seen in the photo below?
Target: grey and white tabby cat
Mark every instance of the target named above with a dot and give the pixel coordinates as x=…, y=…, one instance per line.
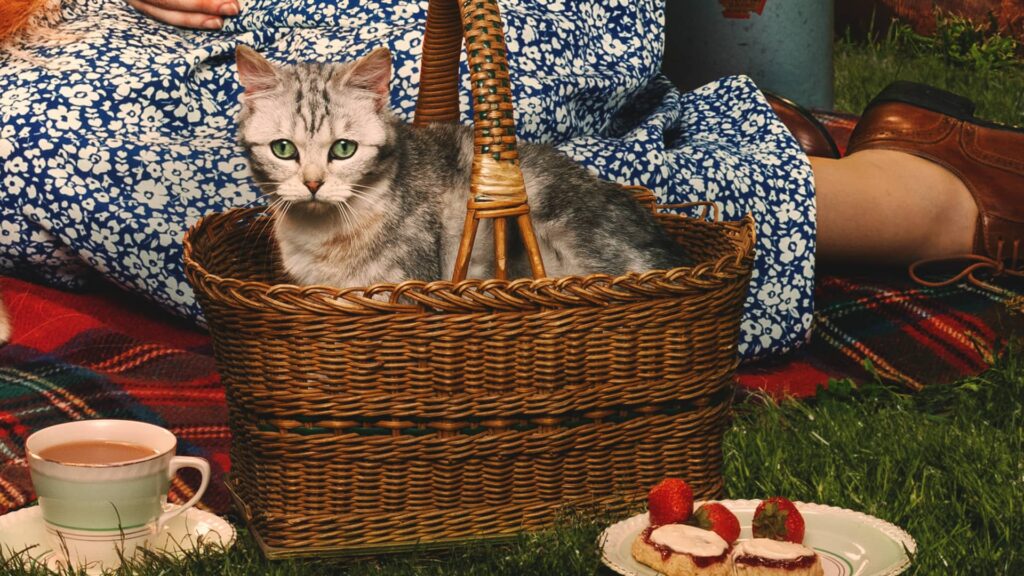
x=361, y=197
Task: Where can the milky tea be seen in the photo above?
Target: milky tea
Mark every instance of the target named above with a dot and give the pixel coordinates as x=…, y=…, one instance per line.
x=94, y=452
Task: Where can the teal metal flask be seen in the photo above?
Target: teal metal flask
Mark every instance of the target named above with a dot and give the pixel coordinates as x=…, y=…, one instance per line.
x=784, y=45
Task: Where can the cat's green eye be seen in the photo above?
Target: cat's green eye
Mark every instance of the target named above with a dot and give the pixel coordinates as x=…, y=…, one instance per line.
x=284, y=149
x=342, y=149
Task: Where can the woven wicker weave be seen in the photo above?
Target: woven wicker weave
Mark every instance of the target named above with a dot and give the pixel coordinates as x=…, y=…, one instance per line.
x=372, y=419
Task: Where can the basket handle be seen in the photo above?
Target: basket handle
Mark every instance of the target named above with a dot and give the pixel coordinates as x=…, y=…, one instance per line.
x=496, y=189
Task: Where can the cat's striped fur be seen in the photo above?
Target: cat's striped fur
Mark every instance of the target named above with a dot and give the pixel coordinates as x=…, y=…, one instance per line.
x=394, y=210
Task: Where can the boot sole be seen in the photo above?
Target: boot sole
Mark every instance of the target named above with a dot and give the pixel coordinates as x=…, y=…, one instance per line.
x=936, y=100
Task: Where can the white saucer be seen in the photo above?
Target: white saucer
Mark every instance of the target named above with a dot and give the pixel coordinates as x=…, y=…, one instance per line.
x=22, y=533
x=849, y=543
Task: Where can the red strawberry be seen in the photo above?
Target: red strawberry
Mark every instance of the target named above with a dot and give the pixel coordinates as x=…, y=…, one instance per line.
x=670, y=502
x=778, y=519
x=717, y=518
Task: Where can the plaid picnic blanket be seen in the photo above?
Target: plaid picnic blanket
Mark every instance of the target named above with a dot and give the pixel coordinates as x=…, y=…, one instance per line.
x=874, y=327
x=112, y=355
x=106, y=355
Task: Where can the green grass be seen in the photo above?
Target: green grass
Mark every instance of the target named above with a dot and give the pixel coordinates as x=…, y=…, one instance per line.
x=946, y=464
x=862, y=70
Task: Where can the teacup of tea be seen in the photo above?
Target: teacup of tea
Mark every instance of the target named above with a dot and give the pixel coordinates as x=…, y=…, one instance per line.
x=102, y=486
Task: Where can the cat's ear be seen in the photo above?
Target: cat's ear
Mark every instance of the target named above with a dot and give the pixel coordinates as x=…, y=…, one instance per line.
x=373, y=74
x=255, y=72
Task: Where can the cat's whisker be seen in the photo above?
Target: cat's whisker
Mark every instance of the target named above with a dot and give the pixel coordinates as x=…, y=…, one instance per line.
x=287, y=206
x=268, y=221
x=259, y=198
x=351, y=217
x=347, y=222
x=354, y=219
x=362, y=193
x=252, y=204
x=275, y=212
x=362, y=186
x=370, y=204
x=278, y=207
x=357, y=211
x=375, y=202
x=273, y=207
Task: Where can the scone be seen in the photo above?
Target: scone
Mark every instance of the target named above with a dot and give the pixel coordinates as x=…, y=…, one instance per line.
x=681, y=550
x=764, y=557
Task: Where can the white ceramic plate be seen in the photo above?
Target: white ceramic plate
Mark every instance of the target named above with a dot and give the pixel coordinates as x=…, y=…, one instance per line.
x=849, y=543
x=22, y=533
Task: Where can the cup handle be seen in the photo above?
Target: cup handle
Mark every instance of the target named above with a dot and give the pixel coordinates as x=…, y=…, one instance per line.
x=177, y=463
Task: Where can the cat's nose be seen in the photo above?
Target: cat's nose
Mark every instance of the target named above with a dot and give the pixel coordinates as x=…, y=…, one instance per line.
x=313, y=186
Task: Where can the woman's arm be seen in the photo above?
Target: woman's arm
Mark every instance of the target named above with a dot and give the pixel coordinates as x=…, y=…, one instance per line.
x=203, y=14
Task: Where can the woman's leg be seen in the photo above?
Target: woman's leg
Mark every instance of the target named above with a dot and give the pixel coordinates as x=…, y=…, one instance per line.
x=889, y=207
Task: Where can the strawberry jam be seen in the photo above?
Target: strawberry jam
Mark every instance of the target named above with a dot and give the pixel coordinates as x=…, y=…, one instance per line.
x=789, y=564
x=781, y=555
x=666, y=552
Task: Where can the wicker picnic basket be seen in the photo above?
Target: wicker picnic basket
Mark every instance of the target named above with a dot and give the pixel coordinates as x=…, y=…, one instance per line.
x=375, y=419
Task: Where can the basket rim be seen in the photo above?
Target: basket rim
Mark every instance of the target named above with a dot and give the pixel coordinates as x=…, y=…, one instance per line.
x=470, y=295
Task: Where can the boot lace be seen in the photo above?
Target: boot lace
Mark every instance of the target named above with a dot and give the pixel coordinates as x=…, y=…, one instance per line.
x=1011, y=264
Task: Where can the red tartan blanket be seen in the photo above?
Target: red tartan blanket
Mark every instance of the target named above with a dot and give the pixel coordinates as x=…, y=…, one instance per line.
x=112, y=355
x=106, y=355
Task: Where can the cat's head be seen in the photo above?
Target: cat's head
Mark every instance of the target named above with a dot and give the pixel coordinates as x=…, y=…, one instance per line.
x=316, y=134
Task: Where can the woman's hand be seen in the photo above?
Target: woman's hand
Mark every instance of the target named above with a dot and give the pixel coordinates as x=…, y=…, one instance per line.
x=202, y=14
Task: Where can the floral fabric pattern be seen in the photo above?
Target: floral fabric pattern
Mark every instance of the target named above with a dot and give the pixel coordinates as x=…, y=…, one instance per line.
x=119, y=133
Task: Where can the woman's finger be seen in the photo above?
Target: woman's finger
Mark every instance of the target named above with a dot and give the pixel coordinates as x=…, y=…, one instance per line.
x=211, y=7
x=196, y=20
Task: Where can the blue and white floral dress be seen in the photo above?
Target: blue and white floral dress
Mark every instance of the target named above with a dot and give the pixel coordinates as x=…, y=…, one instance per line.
x=119, y=132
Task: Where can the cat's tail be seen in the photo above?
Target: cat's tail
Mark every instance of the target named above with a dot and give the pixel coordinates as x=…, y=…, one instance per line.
x=31, y=20
x=18, y=15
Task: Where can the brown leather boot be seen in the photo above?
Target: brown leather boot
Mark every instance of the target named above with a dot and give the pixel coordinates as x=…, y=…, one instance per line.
x=812, y=135
x=989, y=158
